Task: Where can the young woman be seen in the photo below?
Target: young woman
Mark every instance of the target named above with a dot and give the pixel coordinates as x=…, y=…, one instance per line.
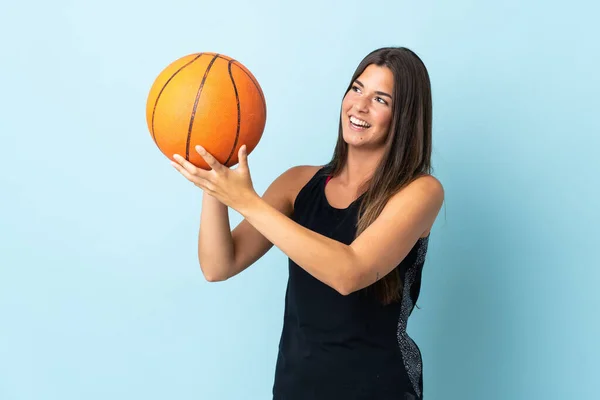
x=355, y=230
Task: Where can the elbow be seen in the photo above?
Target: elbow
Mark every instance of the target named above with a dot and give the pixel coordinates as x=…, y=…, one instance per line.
x=346, y=289
x=214, y=278
x=347, y=281
x=211, y=274
x=346, y=284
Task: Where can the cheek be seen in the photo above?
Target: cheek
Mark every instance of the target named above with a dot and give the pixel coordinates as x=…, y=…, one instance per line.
x=383, y=118
x=346, y=102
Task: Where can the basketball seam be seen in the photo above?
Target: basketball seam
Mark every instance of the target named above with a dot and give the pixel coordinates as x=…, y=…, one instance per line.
x=189, y=136
x=237, y=64
x=237, y=100
x=225, y=58
x=163, y=88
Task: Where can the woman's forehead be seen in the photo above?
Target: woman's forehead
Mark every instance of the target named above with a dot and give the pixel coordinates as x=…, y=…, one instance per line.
x=377, y=78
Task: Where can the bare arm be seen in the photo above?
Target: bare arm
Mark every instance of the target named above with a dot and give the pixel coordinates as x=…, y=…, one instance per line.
x=378, y=250
x=223, y=254
x=215, y=245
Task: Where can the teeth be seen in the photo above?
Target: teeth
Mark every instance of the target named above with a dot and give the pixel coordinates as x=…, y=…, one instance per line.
x=359, y=122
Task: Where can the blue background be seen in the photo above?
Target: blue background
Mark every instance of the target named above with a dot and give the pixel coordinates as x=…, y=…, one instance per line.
x=101, y=295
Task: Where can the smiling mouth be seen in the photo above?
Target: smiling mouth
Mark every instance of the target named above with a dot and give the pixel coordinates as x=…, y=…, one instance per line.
x=358, y=123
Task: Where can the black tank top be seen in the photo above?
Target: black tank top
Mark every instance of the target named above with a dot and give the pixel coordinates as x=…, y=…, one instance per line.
x=345, y=347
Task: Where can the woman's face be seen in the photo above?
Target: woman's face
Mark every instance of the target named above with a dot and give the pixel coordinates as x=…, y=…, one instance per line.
x=367, y=108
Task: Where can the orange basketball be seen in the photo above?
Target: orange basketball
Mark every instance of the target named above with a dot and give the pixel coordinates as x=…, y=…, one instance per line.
x=207, y=99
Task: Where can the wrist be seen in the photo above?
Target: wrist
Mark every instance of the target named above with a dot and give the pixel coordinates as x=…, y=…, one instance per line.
x=250, y=206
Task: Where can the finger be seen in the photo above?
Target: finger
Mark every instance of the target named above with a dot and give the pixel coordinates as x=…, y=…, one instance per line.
x=243, y=156
x=209, y=158
x=195, y=179
x=187, y=174
x=191, y=168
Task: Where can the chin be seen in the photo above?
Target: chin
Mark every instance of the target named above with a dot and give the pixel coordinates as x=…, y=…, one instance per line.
x=354, y=141
x=353, y=137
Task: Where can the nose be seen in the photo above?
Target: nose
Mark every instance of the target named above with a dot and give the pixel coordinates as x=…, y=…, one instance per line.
x=360, y=104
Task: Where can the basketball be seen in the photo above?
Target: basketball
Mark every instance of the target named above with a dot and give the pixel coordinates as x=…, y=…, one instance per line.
x=208, y=99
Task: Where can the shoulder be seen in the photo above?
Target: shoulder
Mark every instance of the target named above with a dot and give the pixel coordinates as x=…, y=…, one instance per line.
x=425, y=186
x=298, y=176
x=425, y=190
x=292, y=180
x=419, y=201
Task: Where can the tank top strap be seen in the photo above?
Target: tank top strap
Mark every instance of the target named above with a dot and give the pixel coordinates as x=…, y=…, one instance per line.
x=311, y=191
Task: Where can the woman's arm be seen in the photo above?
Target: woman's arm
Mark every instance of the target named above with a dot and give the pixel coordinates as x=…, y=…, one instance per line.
x=372, y=255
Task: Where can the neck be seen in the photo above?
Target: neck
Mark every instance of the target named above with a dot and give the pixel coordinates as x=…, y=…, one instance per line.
x=359, y=167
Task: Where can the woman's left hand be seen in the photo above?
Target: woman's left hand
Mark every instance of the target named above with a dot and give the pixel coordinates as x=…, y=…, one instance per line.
x=232, y=187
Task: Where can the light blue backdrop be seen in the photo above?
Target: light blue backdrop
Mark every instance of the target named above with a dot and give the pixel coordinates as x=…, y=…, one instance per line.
x=101, y=295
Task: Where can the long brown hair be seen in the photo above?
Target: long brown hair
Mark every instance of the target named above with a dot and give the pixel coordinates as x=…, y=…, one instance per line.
x=407, y=149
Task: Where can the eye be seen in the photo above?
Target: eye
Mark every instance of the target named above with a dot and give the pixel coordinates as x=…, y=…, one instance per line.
x=356, y=89
x=382, y=101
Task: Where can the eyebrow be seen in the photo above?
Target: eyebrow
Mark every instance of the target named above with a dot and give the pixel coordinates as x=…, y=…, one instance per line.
x=377, y=92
